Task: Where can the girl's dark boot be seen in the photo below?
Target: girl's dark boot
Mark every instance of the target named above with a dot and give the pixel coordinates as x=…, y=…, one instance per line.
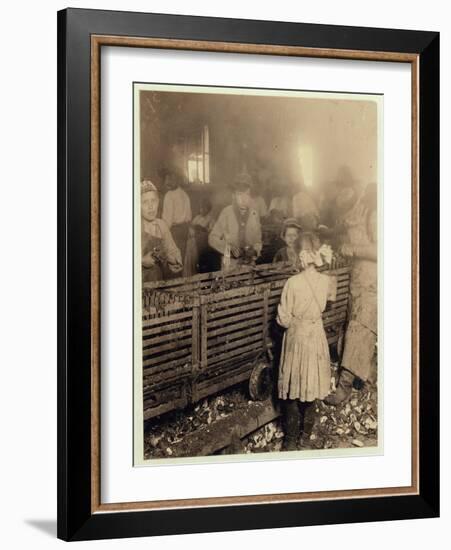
x=307, y=420
x=292, y=425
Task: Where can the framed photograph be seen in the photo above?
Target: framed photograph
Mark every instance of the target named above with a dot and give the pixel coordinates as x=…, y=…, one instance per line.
x=248, y=274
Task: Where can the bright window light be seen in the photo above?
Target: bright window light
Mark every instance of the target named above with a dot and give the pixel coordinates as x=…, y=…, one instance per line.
x=306, y=162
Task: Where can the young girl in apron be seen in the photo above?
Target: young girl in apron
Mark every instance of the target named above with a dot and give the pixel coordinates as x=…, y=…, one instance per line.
x=304, y=372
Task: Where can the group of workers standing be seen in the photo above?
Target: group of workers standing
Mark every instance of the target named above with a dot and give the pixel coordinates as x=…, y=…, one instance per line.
x=173, y=246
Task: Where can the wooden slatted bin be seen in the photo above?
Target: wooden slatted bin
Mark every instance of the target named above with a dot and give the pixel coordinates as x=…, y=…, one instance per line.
x=168, y=356
x=204, y=334
x=234, y=328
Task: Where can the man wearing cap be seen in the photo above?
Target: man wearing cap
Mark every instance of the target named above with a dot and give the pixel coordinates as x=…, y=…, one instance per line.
x=177, y=210
x=237, y=230
x=160, y=254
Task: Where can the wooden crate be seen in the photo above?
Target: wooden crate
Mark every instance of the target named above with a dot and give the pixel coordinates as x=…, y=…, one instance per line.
x=204, y=334
x=233, y=334
x=168, y=355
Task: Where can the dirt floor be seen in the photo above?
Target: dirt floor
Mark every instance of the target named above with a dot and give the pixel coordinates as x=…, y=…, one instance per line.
x=351, y=424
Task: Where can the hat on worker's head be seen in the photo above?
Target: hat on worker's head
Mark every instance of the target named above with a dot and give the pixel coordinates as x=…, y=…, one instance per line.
x=242, y=182
x=290, y=222
x=147, y=186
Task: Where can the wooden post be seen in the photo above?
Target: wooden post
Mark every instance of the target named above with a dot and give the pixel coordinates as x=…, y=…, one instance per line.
x=265, y=317
x=203, y=325
x=195, y=359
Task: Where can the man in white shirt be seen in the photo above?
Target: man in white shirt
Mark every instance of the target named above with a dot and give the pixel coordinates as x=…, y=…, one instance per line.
x=237, y=232
x=176, y=210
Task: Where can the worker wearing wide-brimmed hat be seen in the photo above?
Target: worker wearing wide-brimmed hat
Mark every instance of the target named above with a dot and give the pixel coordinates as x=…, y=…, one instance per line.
x=159, y=251
x=237, y=232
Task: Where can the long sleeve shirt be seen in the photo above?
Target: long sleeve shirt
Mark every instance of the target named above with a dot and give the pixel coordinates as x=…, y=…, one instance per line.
x=176, y=207
x=227, y=230
x=158, y=229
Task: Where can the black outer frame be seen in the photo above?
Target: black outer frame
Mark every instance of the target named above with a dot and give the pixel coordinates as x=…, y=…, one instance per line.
x=75, y=520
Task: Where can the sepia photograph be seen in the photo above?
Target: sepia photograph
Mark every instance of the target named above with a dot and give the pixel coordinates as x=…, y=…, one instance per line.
x=248, y=274
x=256, y=256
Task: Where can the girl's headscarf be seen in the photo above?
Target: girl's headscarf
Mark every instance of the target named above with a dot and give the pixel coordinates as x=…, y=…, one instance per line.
x=317, y=254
